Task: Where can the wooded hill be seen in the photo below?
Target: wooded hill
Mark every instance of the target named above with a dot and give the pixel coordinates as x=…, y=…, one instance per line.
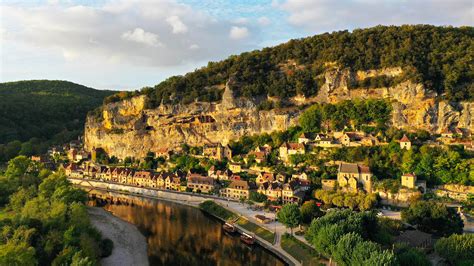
x=44, y=110
x=438, y=57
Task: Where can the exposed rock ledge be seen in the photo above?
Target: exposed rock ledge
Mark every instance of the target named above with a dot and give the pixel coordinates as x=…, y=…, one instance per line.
x=130, y=246
x=128, y=128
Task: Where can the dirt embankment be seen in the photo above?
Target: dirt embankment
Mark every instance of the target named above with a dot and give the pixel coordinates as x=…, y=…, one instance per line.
x=130, y=247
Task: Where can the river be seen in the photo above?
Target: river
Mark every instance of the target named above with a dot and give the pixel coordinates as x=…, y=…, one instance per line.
x=182, y=235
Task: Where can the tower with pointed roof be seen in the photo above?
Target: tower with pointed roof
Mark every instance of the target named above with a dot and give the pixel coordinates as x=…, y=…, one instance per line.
x=405, y=143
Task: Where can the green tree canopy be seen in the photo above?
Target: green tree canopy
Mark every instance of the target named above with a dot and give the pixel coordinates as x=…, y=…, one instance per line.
x=433, y=218
x=289, y=215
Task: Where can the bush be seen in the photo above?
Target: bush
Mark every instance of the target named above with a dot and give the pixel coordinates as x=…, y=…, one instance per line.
x=457, y=249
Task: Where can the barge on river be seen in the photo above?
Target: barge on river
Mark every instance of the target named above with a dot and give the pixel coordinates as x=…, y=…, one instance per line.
x=247, y=239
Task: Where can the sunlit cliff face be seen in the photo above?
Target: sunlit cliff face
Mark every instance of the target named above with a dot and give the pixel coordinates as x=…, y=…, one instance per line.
x=181, y=235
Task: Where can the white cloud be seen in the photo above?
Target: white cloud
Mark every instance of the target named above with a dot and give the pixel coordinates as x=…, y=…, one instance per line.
x=264, y=21
x=241, y=21
x=328, y=15
x=238, y=33
x=140, y=36
x=123, y=31
x=177, y=25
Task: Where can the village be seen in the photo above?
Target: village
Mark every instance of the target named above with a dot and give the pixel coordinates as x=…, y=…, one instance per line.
x=260, y=182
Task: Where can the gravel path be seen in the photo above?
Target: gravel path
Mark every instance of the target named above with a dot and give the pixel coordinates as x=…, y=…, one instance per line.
x=130, y=247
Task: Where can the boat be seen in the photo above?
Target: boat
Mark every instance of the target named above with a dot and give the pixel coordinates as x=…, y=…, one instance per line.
x=247, y=239
x=229, y=228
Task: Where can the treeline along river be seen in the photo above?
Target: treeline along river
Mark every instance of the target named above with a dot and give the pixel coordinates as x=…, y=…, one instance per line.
x=181, y=235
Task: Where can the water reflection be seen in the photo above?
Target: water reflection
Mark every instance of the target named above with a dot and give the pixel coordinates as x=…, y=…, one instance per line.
x=182, y=235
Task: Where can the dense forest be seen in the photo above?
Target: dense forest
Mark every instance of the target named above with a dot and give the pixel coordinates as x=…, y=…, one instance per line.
x=44, y=219
x=439, y=57
x=37, y=113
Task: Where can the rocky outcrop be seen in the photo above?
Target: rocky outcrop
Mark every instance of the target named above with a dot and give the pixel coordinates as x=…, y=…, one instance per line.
x=128, y=128
x=414, y=107
x=134, y=133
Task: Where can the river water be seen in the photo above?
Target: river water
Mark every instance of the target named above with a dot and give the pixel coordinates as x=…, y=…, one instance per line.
x=183, y=235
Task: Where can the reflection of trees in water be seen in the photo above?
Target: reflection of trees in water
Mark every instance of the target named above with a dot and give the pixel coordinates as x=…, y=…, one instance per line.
x=182, y=235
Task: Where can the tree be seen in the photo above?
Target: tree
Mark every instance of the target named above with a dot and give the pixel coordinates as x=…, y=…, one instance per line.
x=17, y=253
x=310, y=120
x=362, y=252
x=411, y=256
x=309, y=211
x=257, y=197
x=343, y=251
x=290, y=216
x=457, y=249
x=384, y=258
x=433, y=218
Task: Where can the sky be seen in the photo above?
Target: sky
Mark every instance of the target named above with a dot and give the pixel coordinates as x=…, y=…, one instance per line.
x=130, y=44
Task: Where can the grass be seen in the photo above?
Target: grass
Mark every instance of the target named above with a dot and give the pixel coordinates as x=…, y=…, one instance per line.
x=258, y=230
x=300, y=251
x=215, y=209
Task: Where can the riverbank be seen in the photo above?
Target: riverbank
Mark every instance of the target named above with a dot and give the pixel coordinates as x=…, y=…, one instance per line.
x=130, y=247
x=193, y=200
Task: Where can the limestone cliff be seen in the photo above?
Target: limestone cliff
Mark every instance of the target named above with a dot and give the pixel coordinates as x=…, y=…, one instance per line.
x=127, y=128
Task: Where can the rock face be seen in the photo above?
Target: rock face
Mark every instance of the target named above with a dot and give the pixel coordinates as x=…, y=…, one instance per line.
x=127, y=128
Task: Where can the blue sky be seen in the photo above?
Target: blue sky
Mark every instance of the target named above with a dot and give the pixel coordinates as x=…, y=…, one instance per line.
x=129, y=44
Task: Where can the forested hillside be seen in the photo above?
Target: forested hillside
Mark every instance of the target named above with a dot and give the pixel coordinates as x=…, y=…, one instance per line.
x=439, y=57
x=36, y=113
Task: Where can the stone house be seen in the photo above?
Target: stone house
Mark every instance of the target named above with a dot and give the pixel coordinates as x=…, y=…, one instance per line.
x=352, y=176
x=273, y=190
x=238, y=189
x=212, y=171
x=303, y=138
x=199, y=183
x=129, y=178
x=294, y=191
x=410, y=181
x=217, y=151
x=235, y=167
x=266, y=149
x=300, y=176
x=290, y=148
x=320, y=136
x=140, y=178
x=163, y=152
x=70, y=168
x=447, y=133
x=329, y=184
x=264, y=177
x=173, y=183
x=108, y=174
x=326, y=142
x=124, y=176
x=405, y=143
x=116, y=174
x=350, y=139
x=223, y=175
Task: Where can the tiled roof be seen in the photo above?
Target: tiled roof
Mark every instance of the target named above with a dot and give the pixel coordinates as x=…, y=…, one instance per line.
x=404, y=139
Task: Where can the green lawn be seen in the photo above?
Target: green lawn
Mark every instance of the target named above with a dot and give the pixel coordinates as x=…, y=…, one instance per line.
x=215, y=209
x=256, y=229
x=300, y=251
